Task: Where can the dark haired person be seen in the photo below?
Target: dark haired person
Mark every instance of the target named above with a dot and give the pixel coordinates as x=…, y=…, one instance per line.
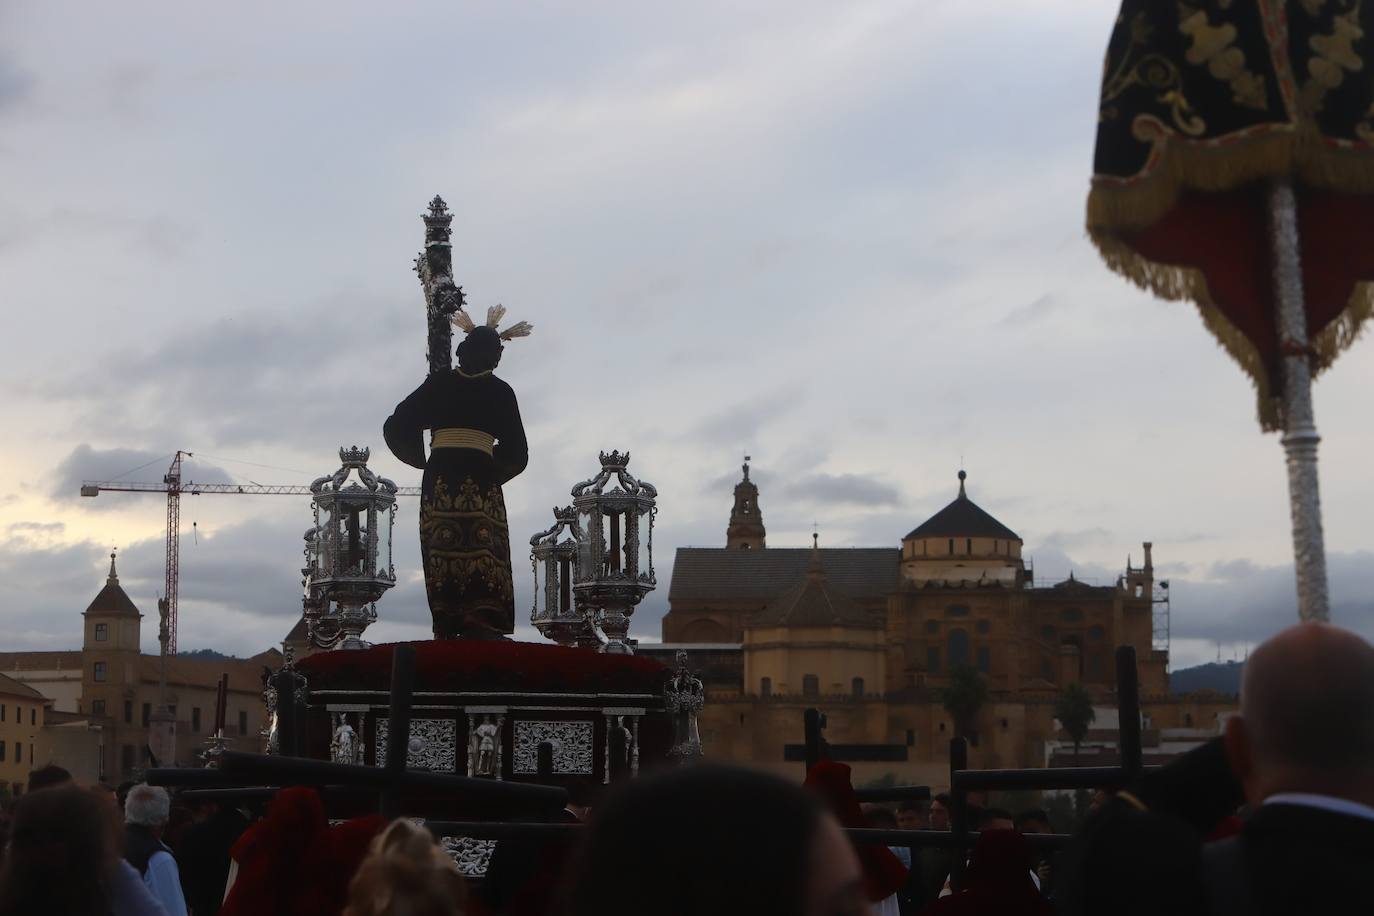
x=710, y=840
x=63, y=857
x=477, y=444
x=46, y=777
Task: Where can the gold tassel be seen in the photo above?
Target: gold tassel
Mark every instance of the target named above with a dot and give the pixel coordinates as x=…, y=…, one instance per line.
x=520, y=329
x=463, y=321
x=495, y=314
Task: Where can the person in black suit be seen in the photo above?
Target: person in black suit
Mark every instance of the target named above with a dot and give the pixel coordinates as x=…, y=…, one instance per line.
x=1303, y=749
x=522, y=875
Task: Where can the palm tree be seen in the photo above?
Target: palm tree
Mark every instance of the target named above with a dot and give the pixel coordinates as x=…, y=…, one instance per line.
x=965, y=695
x=1074, y=710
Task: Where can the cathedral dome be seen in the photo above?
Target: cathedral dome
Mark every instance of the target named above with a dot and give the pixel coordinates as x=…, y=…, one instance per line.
x=963, y=518
x=962, y=543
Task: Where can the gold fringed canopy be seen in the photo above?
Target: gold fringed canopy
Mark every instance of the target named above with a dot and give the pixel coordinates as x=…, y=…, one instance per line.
x=1202, y=104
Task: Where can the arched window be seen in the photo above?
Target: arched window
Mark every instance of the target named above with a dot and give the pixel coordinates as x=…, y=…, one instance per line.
x=856, y=686
x=1077, y=644
x=811, y=685
x=766, y=687
x=957, y=647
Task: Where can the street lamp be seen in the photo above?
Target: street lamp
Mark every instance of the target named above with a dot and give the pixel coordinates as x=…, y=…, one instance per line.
x=614, y=569
x=348, y=552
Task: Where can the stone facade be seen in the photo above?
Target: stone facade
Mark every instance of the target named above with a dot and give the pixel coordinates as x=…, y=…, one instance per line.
x=119, y=692
x=870, y=636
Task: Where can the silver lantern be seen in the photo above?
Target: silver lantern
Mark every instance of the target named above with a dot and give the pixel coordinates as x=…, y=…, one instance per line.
x=348, y=552
x=615, y=562
x=553, y=556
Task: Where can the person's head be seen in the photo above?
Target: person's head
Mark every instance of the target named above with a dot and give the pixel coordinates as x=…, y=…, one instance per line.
x=939, y=811
x=581, y=797
x=1035, y=820
x=711, y=840
x=480, y=350
x=880, y=817
x=1306, y=720
x=46, y=777
x=147, y=806
x=63, y=842
x=406, y=874
x=995, y=819
x=911, y=816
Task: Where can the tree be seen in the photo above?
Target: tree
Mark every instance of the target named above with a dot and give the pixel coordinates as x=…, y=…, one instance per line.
x=1074, y=710
x=965, y=695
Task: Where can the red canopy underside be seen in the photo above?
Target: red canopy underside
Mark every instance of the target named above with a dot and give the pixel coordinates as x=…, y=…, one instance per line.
x=1226, y=237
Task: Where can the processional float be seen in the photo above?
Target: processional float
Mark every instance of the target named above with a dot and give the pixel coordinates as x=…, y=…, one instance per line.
x=420, y=728
x=1235, y=168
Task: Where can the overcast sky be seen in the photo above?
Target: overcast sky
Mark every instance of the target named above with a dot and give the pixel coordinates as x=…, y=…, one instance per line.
x=844, y=238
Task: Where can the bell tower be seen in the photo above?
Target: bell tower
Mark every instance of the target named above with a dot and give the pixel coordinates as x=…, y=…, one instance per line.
x=746, y=530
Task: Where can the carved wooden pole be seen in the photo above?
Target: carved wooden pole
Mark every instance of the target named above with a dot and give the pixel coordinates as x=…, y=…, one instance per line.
x=442, y=296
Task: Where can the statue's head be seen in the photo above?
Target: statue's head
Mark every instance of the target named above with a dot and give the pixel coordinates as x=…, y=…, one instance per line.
x=480, y=350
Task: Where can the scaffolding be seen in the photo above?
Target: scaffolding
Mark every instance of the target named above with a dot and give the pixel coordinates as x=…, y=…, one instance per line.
x=1159, y=606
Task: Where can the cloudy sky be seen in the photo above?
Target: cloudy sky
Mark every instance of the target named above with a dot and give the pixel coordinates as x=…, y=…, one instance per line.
x=844, y=238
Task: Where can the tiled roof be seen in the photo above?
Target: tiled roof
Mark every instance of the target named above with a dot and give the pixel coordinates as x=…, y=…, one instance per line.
x=731, y=574
x=41, y=661
x=963, y=518
x=299, y=633
x=811, y=602
x=10, y=687
x=244, y=673
x=112, y=599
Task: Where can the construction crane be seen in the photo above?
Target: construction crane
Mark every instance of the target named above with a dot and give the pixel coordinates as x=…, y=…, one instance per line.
x=173, y=486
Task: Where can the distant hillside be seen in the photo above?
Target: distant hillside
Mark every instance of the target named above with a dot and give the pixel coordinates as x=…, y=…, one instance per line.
x=207, y=655
x=1223, y=678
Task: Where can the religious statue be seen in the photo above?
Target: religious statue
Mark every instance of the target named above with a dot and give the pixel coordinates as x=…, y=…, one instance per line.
x=346, y=746
x=477, y=444
x=482, y=749
x=686, y=696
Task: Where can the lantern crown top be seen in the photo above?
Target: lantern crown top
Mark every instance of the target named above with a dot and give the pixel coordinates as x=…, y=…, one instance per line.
x=354, y=457
x=615, y=461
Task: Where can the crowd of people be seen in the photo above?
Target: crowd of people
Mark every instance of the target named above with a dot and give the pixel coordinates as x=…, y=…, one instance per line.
x=1275, y=816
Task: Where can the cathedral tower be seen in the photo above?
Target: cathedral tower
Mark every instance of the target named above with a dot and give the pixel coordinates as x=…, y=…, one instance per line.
x=746, y=521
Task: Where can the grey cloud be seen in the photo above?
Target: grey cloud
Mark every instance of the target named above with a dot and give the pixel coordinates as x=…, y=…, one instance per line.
x=15, y=84
x=87, y=463
x=1039, y=309
x=36, y=527
x=741, y=423
x=1084, y=537
x=853, y=489
x=1249, y=602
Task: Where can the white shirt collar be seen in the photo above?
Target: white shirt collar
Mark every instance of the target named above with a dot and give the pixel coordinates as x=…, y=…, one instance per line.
x=1324, y=802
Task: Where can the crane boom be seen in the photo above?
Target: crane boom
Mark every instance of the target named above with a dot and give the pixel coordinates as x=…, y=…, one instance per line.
x=173, y=486
x=96, y=487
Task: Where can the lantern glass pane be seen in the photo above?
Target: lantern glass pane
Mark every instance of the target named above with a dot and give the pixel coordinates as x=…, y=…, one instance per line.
x=326, y=542
x=384, y=541
x=353, y=539
x=589, y=518
x=644, y=567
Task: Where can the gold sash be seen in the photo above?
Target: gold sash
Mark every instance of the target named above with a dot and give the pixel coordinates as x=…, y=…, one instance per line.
x=459, y=437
